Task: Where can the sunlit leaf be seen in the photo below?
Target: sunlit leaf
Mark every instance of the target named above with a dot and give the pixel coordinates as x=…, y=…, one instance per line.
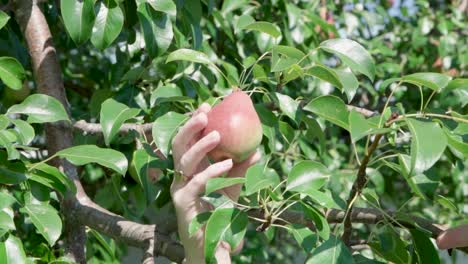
x=84, y=154
x=40, y=108
x=352, y=54
x=11, y=71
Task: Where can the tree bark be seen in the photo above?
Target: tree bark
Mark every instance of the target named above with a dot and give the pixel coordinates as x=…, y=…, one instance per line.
x=59, y=136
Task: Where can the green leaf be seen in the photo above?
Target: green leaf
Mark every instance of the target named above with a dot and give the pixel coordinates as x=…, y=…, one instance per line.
x=3, y=19
x=113, y=115
x=6, y=219
x=445, y=202
x=53, y=178
x=390, y=246
x=12, y=73
x=325, y=199
x=320, y=222
x=4, y=122
x=102, y=241
x=166, y=6
x=25, y=131
x=332, y=251
x=427, y=145
x=6, y=142
x=303, y=235
x=225, y=224
x=293, y=72
x=40, y=108
x=352, y=54
x=11, y=172
x=242, y=22
x=349, y=82
x=307, y=175
x=424, y=247
x=288, y=105
x=259, y=177
x=456, y=143
x=6, y=199
x=459, y=87
x=331, y=108
x=164, y=129
x=46, y=220
x=198, y=222
x=286, y=131
x=107, y=27
x=12, y=252
x=432, y=80
x=78, y=17
x=358, y=126
x=188, y=55
x=290, y=52
x=144, y=162
x=166, y=91
x=84, y=154
x=157, y=29
x=215, y=184
x=326, y=74
x=282, y=63
x=265, y=27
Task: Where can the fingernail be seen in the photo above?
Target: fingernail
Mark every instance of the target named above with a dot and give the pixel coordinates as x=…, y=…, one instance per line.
x=214, y=135
x=202, y=117
x=227, y=163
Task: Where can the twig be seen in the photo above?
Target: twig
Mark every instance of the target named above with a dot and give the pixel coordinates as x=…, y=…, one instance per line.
x=95, y=128
x=359, y=183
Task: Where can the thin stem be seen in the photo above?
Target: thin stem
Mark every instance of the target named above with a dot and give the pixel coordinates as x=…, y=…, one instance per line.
x=251, y=68
x=420, y=115
x=386, y=103
x=421, y=95
x=257, y=219
x=429, y=99
x=41, y=162
x=356, y=154
x=222, y=73
x=384, y=157
x=284, y=209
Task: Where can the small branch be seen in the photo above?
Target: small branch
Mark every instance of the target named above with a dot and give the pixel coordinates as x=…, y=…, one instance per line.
x=359, y=184
x=95, y=128
x=422, y=115
x=146, y=237
x=364, y=216
x=365, y=112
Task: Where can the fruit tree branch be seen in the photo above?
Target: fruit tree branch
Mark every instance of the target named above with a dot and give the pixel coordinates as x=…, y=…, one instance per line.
x=363, y=216
x=95, y=128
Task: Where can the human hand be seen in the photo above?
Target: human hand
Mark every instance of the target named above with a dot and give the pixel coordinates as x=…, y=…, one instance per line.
x=453, y=237
x=189, y=151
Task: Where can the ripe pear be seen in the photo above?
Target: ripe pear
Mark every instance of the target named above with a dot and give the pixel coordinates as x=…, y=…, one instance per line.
x=239, y=127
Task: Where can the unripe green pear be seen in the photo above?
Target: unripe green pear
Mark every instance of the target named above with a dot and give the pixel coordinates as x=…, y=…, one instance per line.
x=239, y=126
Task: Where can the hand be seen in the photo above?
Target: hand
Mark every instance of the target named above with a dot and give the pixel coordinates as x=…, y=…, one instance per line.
x=453, y=237
x=189, y=150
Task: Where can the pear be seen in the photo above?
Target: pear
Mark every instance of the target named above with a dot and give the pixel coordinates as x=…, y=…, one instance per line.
x=239, y=127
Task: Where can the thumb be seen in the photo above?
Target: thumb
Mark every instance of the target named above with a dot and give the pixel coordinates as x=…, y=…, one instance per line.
x=453, y=237
x=239, y=170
